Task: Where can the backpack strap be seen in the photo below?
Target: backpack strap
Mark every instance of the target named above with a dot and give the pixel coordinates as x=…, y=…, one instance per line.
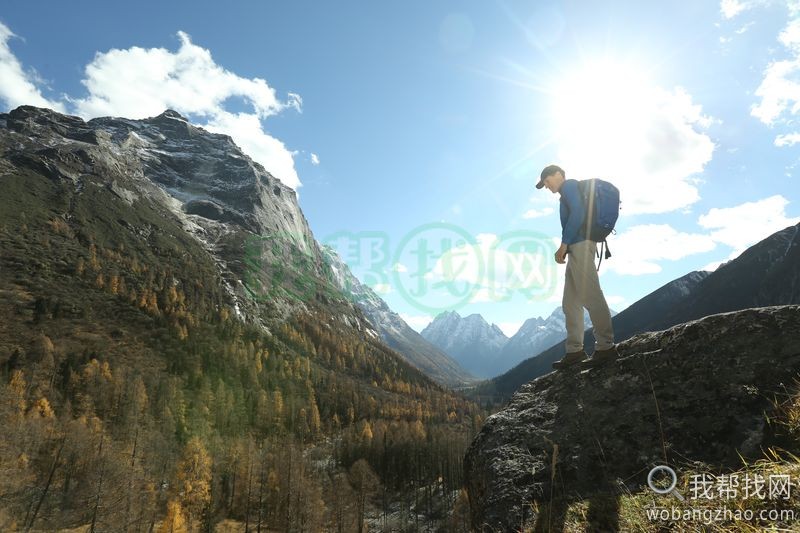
x=607, y=254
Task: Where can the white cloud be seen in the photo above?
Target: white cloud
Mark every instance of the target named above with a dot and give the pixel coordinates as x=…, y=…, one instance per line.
x=744, y=225
x=779, y=91
x=416, y=322
x=790, y=36
x=788, y=139
x=731, y=8
x=399, y=267
x=536, y=213
x=485, y=295
x=711, y=267
x=314, y=159
x=139, y=83
x=744, y=28
x=19, y=87
x=639, y=249
x=648, y=141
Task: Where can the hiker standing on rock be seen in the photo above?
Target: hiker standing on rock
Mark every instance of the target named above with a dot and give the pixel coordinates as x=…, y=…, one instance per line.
x=582, y=284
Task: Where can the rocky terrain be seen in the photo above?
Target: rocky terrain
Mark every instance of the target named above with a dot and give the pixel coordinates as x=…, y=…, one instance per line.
x=697, y=392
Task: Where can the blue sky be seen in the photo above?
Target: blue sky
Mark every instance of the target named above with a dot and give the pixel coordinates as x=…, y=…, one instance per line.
x=414, y=132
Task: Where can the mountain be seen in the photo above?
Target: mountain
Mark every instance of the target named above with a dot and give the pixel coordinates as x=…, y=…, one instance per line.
x=767, y=273
x=474, y=344
x=170, y=331
x=393, y=330
x=700, y=393
x=469, y=340
x=534, y=336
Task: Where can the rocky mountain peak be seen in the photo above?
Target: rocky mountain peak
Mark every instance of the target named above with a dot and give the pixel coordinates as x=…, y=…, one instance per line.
x=469, y=340
x=244, y=216
x=171, y=113
x=205, y=172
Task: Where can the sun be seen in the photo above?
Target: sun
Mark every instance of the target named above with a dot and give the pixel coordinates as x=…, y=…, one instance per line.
x=601, y=106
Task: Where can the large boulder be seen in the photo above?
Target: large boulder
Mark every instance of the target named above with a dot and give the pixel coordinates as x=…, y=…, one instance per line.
x=698, y=391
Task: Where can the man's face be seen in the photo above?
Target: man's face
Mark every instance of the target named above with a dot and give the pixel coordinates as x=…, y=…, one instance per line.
x=553, y=182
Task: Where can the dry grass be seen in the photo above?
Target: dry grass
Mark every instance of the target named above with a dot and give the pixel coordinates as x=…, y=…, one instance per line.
x=628, y=511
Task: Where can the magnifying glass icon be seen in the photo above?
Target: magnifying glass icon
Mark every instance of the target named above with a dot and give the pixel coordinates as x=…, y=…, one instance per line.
x=671, y=488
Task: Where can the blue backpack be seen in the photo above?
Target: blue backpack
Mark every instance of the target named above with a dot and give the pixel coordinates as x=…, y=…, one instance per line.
x=601, y=199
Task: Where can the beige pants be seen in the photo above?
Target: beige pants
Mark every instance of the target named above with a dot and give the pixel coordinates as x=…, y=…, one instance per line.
x=582, y=289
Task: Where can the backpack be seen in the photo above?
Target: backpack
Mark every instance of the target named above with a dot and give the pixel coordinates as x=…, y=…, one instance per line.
x=601, y=199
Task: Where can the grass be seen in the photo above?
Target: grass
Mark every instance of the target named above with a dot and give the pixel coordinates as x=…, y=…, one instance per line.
x=633, y=511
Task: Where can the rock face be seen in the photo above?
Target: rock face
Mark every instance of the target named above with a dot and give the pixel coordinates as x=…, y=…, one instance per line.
x=206, y=172
x=696, y=392
x=242, y=215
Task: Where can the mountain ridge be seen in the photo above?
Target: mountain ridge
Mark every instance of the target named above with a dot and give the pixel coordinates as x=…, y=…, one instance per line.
x=469, y=340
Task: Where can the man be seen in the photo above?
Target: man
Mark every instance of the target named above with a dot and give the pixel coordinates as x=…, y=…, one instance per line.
x=582, y=285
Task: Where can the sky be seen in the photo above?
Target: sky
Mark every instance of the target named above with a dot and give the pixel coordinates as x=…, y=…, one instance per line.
x=414, y=133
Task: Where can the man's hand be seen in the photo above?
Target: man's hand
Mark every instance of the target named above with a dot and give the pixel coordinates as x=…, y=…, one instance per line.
x=561, y=254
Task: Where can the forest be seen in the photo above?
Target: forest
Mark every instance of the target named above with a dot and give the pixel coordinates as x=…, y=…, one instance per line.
x=135, y=399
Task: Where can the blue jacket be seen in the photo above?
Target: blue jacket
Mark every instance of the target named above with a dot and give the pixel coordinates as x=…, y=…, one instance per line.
x=573, y=213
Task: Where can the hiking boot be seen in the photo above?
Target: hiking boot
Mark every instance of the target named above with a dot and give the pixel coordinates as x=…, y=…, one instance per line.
x=602, y=356
x=570, y=359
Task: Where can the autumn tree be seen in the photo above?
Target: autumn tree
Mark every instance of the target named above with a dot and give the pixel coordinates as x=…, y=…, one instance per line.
x=365, y=483
x=175, y=521
x=194, y=479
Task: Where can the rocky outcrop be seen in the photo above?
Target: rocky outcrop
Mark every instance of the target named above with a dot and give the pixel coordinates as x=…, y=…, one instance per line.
x=245, y=218
x=696, y=392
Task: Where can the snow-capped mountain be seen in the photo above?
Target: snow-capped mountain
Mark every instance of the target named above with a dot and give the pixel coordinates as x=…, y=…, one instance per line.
x=534, y=336
x=470, y=340
x=485, y=350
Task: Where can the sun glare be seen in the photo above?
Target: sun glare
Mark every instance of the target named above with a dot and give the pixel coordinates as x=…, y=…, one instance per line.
x=601, y=107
